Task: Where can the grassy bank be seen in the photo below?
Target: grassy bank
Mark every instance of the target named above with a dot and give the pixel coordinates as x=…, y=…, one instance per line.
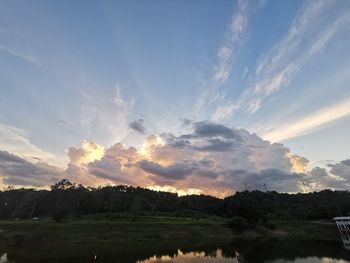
x=123, y=231
x=95, y=230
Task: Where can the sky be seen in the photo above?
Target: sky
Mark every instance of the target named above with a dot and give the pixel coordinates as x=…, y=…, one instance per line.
x=198, y=96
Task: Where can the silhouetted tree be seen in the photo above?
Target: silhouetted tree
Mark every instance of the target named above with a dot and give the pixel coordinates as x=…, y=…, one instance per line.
x=255, y=207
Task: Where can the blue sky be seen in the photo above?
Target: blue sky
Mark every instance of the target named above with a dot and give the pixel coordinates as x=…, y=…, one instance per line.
x=85, y=70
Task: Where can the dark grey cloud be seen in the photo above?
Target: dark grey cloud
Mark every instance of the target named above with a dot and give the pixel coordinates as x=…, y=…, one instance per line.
x=341, y=169
x=319, y=172
x=321, y=178
x=176, y=142
x=204, y=129
x=335, y=175
x=180, y=143
x=212, y=174
x=7, y=158
x=176, y=171
x=18, y=171
x=206, y=163
x=277, y=175
x=105, y=168
x=138, y=125
x=64, y=123
x=207, y=129
x=346, y=162
x=217, y=145
x=214, y=137
x=186, y=122
x=273, y=179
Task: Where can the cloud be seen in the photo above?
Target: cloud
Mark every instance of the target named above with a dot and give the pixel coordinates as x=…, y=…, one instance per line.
x=15, y=170
x=17, y=141
x=186, y=122
x=24, y=55
x=118, y=165
x=138, y=126
x=88, y=152
x=310, y=123
x=334, y=176
x=211, y=159
x=115, y=165
x=92, y=164
x=232, y=43
x=226, y=55
x=341, y=169
x=319, y=172
x=309, y=34
x=106, y=119
x=216, y=158
x=274, y=179
x=106, y=168
x=176, y=171
x=299, y=163
x=206, y=129
x=217, y=145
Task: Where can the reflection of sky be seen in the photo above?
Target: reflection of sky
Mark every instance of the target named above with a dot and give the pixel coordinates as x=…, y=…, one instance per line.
x=191, y=257
x=3, y=258
x=217, y=257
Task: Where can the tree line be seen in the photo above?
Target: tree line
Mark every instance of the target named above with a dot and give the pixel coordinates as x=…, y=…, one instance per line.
x=247, y=207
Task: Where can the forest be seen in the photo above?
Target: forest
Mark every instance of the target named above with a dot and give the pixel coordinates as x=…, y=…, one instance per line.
x=66, y=199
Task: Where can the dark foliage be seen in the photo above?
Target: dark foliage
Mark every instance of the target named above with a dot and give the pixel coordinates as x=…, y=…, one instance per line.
x=239, y=224
x=245, y=208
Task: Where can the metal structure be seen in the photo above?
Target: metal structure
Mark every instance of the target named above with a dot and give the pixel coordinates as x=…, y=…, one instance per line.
x=343, y=224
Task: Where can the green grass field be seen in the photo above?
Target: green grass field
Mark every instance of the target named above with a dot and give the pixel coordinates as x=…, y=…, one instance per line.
x=127, y=233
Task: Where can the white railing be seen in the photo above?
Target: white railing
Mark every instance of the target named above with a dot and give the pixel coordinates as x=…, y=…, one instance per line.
x=343, y=224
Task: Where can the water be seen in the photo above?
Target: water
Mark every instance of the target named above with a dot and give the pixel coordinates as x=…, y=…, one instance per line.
x=218, y=257
x=258, y=251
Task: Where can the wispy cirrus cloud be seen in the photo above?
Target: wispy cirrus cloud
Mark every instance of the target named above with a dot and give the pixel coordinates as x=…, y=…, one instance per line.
x=106, y=118
x=308, y=124
x=226, y=54
x=309, y=34
x=232, y=43
x=21, y=54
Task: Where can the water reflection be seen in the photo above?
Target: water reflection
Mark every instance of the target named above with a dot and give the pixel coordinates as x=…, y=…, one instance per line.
x=239, y=251
x=192, y=257
x=218, y=257
x=3, y=258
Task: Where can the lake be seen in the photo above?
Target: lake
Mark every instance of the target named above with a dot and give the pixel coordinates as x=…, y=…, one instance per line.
x=256, y=251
